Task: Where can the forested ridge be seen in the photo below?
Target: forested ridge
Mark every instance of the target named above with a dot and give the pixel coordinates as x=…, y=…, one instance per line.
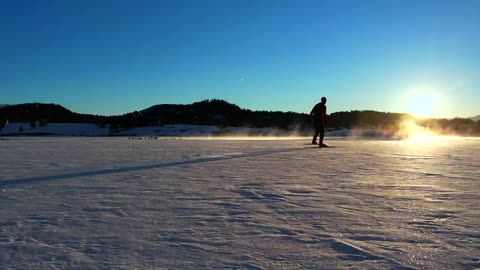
x=224, y=114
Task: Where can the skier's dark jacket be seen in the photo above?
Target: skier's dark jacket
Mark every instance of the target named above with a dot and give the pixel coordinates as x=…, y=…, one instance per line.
x=319, y=113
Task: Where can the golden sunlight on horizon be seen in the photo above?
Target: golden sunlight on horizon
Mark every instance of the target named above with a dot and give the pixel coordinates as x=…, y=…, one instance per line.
x=415, y=133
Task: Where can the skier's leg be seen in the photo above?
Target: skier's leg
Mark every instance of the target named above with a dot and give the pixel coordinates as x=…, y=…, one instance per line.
x=317, y=131
x=322, y=135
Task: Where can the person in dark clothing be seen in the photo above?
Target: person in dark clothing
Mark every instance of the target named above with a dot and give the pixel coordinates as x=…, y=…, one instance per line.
x=319, y=118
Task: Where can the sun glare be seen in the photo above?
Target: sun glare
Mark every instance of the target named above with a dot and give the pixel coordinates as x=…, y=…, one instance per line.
x=421, y=105
x=415, y=133
x=422, y=101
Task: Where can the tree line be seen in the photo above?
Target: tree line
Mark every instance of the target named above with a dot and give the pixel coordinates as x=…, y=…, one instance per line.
x=224, y=114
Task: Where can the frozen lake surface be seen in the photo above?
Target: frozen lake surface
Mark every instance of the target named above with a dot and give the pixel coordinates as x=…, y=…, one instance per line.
x=230, y=204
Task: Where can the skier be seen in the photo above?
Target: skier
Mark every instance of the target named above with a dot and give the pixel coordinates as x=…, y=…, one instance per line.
x=319, y=118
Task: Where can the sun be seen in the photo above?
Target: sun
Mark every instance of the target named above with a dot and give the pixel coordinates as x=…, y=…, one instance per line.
x=422, y=101
x=421, y=104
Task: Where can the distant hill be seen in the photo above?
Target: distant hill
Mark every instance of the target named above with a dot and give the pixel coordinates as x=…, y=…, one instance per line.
x=224, y=114
x=206, y=112
x=3, y=105
x=475, y=118
x=52, y=113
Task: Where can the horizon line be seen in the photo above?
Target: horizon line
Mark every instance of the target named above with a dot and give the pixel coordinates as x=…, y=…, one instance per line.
x=186, y=104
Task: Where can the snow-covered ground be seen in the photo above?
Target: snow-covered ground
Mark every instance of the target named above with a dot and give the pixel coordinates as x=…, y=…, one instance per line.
x=115, y=203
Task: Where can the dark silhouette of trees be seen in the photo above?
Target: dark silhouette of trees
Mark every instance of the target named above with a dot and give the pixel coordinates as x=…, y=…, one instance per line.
x=53, y=113
x=3, y=122
x=456, y=126
x=224, y=114
x=364, y=119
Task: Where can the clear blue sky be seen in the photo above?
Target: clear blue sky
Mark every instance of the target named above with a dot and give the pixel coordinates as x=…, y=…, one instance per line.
x=116, y=56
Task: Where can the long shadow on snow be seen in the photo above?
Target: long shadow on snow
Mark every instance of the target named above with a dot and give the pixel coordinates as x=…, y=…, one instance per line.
x=13, y=182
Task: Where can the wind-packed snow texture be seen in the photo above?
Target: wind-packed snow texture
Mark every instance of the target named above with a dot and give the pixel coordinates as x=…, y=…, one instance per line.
x=114, y=203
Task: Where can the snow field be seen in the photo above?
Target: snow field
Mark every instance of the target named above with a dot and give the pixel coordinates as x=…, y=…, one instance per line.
x=229, y=204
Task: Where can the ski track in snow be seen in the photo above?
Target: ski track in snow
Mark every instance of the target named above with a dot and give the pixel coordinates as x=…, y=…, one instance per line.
x=95, y=203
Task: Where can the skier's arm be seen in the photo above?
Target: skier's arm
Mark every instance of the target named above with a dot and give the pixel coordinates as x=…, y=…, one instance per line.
x=313, y=111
